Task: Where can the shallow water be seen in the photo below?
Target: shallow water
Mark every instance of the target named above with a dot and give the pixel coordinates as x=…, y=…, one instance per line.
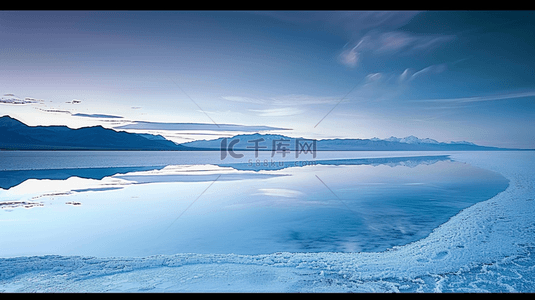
x=146, y=203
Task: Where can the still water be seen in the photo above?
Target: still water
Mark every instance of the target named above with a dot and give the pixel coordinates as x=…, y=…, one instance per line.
x=147, y=203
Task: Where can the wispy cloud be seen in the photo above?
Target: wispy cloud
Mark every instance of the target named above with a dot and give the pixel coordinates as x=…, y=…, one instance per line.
x=350, y=57
x=379, y=86
x=482, y=98
x=373, y=77
x=98, y=116
x=278, y=112
x=74, y=101
x=431, y=69
x=350, y=23
x=286, y=100
x=367, y=32
x=391, y=42
x=142, y=125
x=12, y=99
x=51, y=110
x=282, y=106
x=409, y=74
x=245, y=99
x=102, y=116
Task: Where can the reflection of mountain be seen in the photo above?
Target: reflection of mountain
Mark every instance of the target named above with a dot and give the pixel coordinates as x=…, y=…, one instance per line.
x=135, y=175
x=390, y=161
x=105, y=179
x=9, y=179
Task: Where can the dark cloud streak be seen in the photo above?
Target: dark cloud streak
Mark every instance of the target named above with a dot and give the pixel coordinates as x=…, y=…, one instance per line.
x=142, y=125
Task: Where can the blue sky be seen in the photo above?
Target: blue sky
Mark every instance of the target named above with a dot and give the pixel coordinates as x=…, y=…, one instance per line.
x=448, y=76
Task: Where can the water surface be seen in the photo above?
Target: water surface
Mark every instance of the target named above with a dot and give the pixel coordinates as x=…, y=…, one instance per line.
x=146, y=203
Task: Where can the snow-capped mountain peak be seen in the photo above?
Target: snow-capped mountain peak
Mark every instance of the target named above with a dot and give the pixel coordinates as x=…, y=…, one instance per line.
x=408, y=140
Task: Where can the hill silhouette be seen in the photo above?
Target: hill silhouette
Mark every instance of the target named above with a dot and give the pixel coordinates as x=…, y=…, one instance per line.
x=15, y=135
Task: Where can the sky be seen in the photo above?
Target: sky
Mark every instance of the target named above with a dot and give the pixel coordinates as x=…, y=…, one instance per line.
x=189, y=75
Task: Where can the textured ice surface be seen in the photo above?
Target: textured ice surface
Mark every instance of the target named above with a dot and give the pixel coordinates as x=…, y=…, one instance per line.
x=487, y=247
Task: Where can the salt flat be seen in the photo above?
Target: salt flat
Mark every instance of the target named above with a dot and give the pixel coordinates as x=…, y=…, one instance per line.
x=487, y=247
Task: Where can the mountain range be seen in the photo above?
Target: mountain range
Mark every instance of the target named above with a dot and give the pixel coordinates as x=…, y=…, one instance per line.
x=411, y=143
x=15, y=135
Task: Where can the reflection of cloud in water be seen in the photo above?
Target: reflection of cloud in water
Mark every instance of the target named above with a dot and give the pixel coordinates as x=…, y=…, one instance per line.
x=9, y=179
x=280, y=192
x=34, y=190
x=371, y=209
x=24, y=188
x=191, y=173
x=96, y=189
x=9, y=205
x=410, y=162
x=192, y=178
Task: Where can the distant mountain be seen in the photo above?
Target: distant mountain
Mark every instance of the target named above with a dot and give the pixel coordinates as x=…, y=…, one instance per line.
x=410, y=143
x=15, y=135
x=414, y=140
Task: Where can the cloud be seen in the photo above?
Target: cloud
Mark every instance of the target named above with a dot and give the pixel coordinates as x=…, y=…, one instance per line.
x=397, y=41
x=55, y=111
x=285, y=100
x=96, y=116
x=100, y=116
x=410, y=74
x=349, y=57
x=405, y=75
x=391, y=42
x=355, y=22
x=143, y=125
x=482, y=98
x=374, y=87
x=303, y=100
x=278, y=112
x=74, y=101
x=349, y=23
x=373, y=77
x=12, y=99
x=366, y=31
x=245, y=99
x=435, y=69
